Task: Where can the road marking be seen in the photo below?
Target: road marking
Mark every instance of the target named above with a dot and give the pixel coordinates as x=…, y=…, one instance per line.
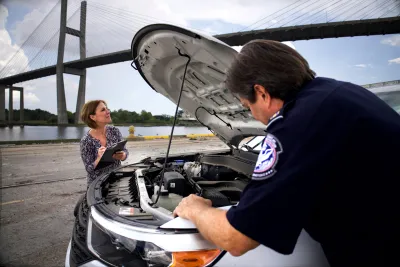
x=12, y=202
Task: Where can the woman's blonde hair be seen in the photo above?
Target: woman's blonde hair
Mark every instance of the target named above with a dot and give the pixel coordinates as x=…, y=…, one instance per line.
x=89, y=108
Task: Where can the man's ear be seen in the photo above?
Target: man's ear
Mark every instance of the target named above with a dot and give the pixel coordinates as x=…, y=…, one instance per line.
x=262, y=93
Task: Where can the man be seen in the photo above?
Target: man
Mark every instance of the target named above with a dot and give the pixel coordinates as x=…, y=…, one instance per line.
x=329, y=164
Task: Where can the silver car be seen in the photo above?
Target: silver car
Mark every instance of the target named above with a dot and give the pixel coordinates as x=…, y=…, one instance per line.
x=117, y=222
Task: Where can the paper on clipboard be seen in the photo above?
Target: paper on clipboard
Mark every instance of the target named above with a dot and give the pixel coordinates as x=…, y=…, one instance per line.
x=107, y=158
x=180, y=223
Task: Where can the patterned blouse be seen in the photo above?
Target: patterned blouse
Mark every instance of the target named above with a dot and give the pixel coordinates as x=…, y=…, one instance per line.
x=89, y=149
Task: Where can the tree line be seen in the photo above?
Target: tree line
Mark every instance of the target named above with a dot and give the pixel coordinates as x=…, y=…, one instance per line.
x=119, y=116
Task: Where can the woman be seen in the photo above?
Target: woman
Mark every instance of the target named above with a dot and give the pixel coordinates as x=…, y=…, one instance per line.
x=100, y=136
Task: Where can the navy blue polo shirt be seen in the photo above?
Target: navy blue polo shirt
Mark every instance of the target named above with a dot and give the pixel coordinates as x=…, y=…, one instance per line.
x=330, y=164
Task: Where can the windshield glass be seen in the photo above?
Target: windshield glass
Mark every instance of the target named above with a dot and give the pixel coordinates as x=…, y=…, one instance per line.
x=389, y=94
x=391, y=98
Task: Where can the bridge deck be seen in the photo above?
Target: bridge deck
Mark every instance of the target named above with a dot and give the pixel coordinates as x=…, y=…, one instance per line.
x=304, y=32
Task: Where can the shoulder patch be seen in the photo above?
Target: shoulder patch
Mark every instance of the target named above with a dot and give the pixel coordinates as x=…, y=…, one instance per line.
x=268, y=158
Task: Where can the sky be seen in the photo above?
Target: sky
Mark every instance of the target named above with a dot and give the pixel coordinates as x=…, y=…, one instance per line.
x=361, y=60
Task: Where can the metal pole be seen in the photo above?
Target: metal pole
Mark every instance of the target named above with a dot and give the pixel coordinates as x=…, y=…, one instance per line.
x=61, y=102
x=82, y=79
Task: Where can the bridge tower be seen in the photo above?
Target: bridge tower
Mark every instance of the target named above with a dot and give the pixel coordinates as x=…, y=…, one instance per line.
x=81, y=34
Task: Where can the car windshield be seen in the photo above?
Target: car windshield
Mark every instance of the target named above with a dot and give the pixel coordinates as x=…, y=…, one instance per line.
x=389, y=94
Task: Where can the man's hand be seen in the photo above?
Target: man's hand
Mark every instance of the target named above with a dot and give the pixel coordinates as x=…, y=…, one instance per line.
x=190, y=206
x=213, y=225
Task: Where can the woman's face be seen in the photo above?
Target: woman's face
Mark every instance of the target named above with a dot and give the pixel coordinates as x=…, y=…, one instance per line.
x=102, y=115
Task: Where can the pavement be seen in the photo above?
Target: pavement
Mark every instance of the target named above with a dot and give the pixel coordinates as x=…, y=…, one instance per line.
x=39, y=187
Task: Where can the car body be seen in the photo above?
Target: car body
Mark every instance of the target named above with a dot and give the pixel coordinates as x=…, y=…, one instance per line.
x=117, y=223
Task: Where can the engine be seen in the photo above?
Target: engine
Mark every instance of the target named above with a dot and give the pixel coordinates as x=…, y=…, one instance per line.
x=219, y=184
x=137, y=186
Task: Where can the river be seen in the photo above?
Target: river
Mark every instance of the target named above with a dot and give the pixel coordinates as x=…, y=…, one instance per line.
x=17, y=133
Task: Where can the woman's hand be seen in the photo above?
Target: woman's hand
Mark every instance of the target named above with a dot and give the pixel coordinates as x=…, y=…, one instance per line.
x=100, y=152
x=120, y=155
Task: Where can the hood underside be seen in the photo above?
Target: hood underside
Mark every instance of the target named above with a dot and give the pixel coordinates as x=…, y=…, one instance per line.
x=157, y=51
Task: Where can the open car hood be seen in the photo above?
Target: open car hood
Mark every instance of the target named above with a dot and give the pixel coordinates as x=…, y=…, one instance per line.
x=155, y=50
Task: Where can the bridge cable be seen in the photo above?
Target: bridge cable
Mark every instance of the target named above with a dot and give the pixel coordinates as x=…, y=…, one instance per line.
x=49, y=53
x=112, y=19
x=296, y=12
x=349, y=7
x=110, y=29
x=127, y=13
x=302, y=15
x=383, y=6
x=317, y=15
x=271, y=15
x=120, y=16
x=55, y=35
x=286, y=15
x=317, y=19
x=388, y=12
x=353, y=15
x=339, y=8
x=43, y=20
x=31, y=41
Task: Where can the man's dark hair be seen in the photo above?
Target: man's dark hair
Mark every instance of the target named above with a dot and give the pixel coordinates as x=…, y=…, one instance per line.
x=274, y=65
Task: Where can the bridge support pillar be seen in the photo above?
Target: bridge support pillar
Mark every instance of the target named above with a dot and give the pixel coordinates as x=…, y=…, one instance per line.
x=80, y=101
x=11, y=89
x=2, y=104
x=21, y=106
x=61, y=102
x=10, y=106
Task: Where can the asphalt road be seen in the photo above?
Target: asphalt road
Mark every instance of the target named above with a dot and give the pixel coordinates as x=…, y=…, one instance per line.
x=40, y=185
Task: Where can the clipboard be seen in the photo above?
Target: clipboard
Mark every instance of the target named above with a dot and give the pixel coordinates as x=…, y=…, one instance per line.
x=107, y=158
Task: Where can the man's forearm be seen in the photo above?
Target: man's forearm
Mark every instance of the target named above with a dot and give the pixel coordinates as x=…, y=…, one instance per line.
x=215, y=227
x=212, y=224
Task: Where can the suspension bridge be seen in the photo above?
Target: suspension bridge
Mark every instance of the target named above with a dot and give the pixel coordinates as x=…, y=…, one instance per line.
x=76, y=35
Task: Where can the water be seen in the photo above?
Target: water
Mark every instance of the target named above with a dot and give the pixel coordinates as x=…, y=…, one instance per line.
x=61, y=132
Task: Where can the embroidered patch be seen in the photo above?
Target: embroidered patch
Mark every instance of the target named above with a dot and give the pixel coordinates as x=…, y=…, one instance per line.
x=268, y=158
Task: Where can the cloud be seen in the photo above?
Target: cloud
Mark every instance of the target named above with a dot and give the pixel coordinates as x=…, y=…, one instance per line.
x=394, y=61
x=111, y=25
x=363, y=65
x=45, y=89
x=8, y=50
x=30, y=99
x=392, y=41
x=290, y=44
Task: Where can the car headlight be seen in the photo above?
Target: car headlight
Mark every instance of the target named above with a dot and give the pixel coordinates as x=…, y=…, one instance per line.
x=117, y=250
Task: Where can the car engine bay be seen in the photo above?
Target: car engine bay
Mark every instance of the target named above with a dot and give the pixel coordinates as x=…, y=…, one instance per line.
x=131, y=190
